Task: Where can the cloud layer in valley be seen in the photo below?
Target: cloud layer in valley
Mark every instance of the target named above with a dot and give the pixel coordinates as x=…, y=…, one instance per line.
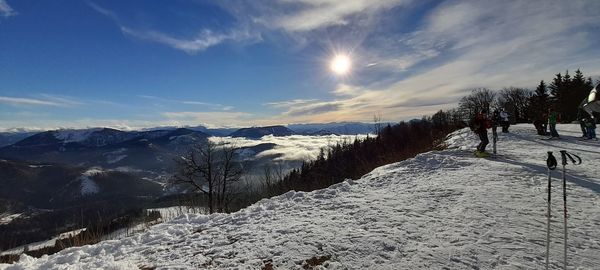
x=290, y=148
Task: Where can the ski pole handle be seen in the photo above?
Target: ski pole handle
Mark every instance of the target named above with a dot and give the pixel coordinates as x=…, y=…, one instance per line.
x=551, y=161
x=564, y=154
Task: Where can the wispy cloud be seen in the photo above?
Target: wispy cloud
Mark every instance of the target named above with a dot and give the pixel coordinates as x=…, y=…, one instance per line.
x=49, y=101
x=210, y=119
x=305, y=15
x=204, y=39
x=64, y=100
x=290, y=103
x=6, y=10
x=313, y=108
x=188, y=102
x=318, y=14
x=474, y=44
x=254, y=18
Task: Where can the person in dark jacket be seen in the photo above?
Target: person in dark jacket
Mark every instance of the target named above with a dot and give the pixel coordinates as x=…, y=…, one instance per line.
x=581, y=117
x=553, y=118
x=480, y=124
x=504, y=121
x=590, y=126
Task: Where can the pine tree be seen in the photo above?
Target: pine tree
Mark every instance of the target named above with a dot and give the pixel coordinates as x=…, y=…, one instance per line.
x=556, y=88
x=538, y=108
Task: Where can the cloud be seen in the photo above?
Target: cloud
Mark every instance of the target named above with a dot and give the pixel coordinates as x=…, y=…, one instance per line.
x=314, y=14
x=202, y=41
x=311, y=109
x=188, y=102
x=253, y=19
x=210, y=118
x=49, y=101
x=296, y=147
x=290, y=103
x=6, y=10
x=461, y=45
x=63, y=100
x=305, y=15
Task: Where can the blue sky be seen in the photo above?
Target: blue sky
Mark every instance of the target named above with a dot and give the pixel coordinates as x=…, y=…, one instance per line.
x=135, y=64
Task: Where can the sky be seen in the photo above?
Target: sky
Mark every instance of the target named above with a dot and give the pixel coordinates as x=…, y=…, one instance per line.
x=235, y=63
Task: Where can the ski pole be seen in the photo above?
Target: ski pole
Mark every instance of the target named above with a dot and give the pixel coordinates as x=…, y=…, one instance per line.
x=495, y=139
x=551, y=163
x=564, y=155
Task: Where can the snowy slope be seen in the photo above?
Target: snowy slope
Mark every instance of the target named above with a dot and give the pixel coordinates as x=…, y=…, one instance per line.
x=439, y=210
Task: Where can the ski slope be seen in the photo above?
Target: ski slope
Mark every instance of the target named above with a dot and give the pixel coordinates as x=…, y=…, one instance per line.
x=439, y=210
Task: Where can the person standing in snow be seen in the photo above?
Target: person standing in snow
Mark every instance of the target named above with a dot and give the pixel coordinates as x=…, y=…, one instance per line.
x=552, y=120
x=504, y=121
x=590, y=126
x=495, y=123
x=581, y=117
x=479, y=124
x=495, y=120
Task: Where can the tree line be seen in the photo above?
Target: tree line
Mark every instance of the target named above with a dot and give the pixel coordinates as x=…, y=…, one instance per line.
x=564, y=94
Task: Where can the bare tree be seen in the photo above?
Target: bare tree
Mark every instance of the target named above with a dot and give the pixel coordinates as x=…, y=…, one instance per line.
x=212, y=170
x=479, y=99
x=377, y=123
x=271, y=176
x=516, y=102
x=230, y=172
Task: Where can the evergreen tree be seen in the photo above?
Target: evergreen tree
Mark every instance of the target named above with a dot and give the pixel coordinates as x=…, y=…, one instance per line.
x=556, y=89
x=540, y=99
x=567, y=93
x=538, y=109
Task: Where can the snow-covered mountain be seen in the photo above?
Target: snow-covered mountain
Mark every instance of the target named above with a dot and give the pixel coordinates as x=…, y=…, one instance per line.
x=440, y=210
x=258, y=132
x=8, y=138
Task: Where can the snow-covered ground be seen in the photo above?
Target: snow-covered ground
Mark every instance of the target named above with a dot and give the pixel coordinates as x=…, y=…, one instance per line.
x=6, y=218
x=42, y=244
x=88, y=185
x=439, y=210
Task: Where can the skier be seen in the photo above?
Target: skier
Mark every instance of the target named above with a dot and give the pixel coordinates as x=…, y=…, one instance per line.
x=581, y=117
x=544, y=118
x=479, y=124
x=504, y=121
x=553, y=118
x=590, y=126
x=540, y=122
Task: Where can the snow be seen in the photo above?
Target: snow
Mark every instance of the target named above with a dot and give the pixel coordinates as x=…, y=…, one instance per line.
x=6, y=218
x=440, y=210
x=115, y=159
x=170, y=213
x=42, y=244
x=88, y=185
x=115, y=156
x=39, y=166
x=74, y=135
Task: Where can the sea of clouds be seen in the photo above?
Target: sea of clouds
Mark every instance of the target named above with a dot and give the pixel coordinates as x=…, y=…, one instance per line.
x=290, y=148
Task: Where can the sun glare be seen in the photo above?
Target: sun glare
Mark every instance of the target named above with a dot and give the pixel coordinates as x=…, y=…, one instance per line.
x=340, y=64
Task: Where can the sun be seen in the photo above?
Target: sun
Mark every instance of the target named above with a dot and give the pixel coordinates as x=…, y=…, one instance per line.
x=340, y=64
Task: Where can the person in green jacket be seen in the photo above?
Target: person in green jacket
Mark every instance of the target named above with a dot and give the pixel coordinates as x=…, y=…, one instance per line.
x=552, y=120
